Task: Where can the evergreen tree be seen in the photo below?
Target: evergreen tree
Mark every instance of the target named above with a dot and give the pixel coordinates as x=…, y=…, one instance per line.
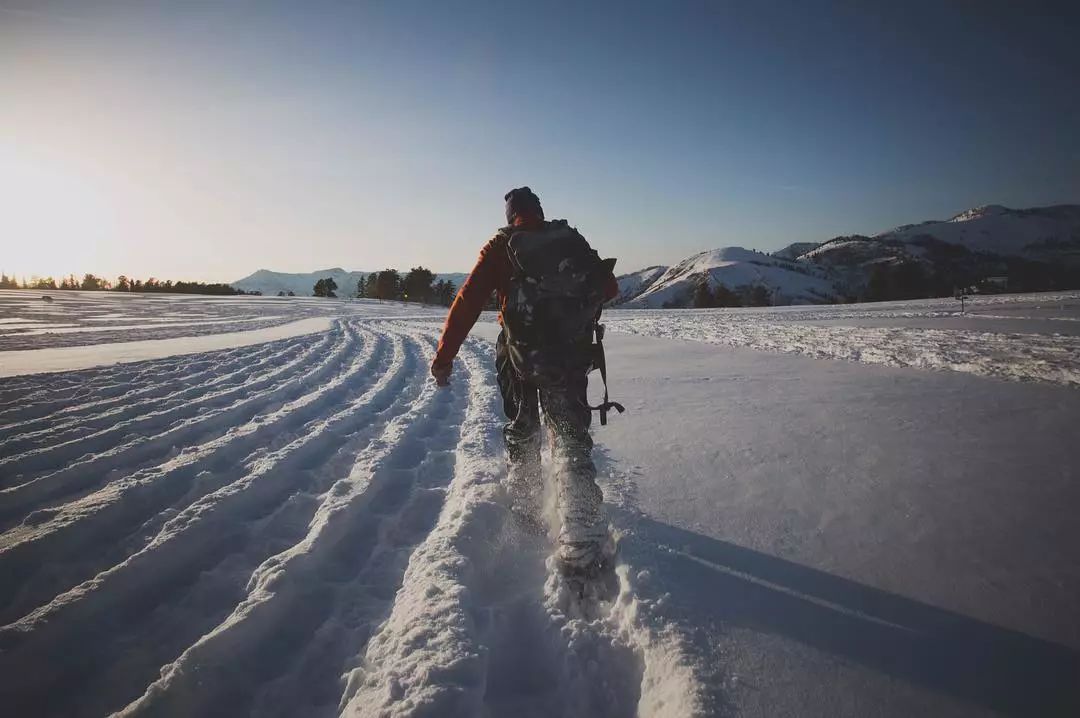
x=91, y=283
x=724, y=297
x=703, y=296
x=759, y=296
x=417, y=285
x=388, y=284
x=445, y=291
x=325, y=288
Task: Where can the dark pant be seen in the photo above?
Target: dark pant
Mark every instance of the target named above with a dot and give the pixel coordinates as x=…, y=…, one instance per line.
x=566, y=413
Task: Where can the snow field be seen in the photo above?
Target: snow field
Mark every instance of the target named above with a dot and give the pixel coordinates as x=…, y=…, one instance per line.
x=307, y=526
x=227, y=533
x=75, y=318
x=1012, y=350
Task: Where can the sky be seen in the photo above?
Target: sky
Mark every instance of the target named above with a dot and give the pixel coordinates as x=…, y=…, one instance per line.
x=205, y=140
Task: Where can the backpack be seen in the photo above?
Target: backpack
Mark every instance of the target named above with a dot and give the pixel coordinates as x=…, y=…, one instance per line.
x=553, y=306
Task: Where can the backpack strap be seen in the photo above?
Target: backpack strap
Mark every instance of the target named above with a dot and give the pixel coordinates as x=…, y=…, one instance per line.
x=600, y=362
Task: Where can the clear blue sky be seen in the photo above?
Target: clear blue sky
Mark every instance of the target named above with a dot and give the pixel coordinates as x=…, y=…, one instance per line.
x=209, y=139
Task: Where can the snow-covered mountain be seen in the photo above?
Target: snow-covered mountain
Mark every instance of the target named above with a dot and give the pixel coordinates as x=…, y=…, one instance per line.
x=795, y=250
x=855, y=251
x=985, y=241
x=1039, y=233
x=301, y=283
x=738, y=269
x=635, y=283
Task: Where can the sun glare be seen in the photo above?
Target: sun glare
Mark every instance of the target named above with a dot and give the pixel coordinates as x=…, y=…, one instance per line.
x=56, y=213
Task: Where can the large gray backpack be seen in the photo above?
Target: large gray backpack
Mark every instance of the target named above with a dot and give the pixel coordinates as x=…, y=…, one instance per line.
x=553, y=306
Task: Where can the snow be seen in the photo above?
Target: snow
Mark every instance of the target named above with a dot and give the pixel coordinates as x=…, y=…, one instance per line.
x=988, y=210
x=997, y=229
x=633, y=284
x=852, y=252
x=32, y=361
x=795, y=250
x=1014, y=353
x=853, y=539
x=80, y=330
x=305, y=525
x=735, y=268
x=817, y=273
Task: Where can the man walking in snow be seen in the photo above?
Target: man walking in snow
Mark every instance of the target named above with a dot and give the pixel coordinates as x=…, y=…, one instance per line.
x=550, y=286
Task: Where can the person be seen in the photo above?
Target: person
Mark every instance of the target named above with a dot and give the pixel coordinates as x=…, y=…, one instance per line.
x=558, y=389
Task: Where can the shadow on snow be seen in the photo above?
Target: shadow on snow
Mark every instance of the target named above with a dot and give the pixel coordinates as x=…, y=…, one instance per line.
x=973, y=661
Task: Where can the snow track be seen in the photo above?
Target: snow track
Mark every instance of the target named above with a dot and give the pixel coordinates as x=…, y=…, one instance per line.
x=304, y=527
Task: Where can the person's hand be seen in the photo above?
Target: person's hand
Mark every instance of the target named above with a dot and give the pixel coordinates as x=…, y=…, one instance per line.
x=441, y=372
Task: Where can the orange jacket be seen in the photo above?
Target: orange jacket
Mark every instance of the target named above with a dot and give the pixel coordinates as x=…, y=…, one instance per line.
x=493, y=272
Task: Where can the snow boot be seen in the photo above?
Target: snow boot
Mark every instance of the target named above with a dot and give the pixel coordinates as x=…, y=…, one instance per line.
x=589, y=572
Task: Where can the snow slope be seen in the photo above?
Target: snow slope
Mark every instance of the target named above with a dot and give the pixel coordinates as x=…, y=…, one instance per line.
x=1031, y=232
x=840, y=266
x=308, y=527
x=302, y=283
x=795, y=250
x=1039, y=233
x=633, y=284
x=736, y=268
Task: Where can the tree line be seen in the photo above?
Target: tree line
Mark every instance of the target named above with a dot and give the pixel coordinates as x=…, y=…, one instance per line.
x=706, y=296
x=94, y=283
x=417, y=285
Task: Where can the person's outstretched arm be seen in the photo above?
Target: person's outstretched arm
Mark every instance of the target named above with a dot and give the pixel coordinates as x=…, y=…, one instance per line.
x=468, y=304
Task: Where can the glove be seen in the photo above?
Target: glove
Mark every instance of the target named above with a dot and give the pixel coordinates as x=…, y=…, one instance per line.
x=441, y=372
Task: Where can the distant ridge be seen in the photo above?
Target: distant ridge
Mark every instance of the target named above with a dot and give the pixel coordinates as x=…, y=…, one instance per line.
x=301, y=283
x=1039, y=246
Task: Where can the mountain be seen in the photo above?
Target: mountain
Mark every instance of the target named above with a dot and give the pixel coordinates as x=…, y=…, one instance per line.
x=1021, y=249
x=1036, y=248
x=739, y=270
x=270, y=283
x=794, y=251
x=633, y=284
x=1038, y=234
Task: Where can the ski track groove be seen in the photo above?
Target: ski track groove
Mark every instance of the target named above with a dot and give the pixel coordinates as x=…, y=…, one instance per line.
x=121, y=408
x=118, y=507
x=302, y=527
x=323, y=563
x=56, y=454
x=250, y=377
x=197, y=530
x=85, y=392
x=90, y=468
x=84, y=384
